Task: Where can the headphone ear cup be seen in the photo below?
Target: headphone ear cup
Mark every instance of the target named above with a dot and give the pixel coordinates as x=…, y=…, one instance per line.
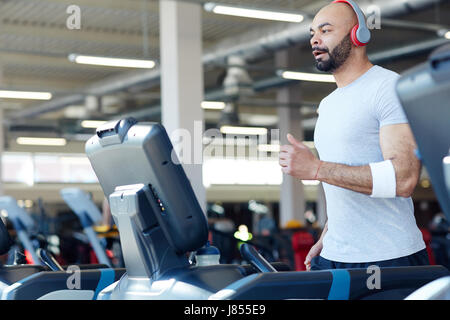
x=353, y=36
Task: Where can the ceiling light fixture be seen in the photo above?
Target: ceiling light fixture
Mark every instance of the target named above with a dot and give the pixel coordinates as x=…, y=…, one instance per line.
x=306, y=76
x=29, y=95
x=213, y=105
x=112, y=62
x=252, y=13
x=92, y=123
x=41, y=141
x=243, y=130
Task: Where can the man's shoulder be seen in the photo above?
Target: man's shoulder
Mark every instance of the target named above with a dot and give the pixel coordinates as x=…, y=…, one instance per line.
x=327, y=99
x=383, y=75
x=382, y=82
x=379, y=81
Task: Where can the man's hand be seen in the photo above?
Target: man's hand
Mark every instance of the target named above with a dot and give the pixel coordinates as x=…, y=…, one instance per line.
x=313, y=252
x=297, y=160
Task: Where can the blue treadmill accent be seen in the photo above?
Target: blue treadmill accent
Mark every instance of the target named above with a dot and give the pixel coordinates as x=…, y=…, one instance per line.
x=107, y=277
x=21, y=281
x=9, y=294
x=340, y=287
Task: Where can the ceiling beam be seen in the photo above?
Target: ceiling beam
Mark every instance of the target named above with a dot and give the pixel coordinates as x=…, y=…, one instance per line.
x=61, y=33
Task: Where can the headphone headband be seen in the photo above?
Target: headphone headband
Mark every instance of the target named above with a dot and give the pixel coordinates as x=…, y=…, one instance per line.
x=361, y=33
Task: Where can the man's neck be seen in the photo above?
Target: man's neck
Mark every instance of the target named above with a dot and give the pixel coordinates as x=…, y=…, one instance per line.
x=351, y=70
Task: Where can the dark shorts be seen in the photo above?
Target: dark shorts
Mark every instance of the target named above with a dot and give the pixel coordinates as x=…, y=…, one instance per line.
x=419, y=258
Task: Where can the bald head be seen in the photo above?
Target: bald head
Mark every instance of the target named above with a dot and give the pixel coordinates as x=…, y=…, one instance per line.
x=337, y=14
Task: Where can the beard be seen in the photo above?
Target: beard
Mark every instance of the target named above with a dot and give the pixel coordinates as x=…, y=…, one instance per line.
x=337, y=57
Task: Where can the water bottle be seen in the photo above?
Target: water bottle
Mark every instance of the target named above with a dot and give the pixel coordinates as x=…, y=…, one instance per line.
x=207, y=255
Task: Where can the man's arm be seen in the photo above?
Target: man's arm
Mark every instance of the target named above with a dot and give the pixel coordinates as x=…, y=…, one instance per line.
x=397, y=144
x=315, y=249
x=356, y=178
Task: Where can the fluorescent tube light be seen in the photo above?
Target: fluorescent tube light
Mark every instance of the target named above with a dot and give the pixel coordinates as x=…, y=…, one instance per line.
x=305, y=76
x=243, y=130
x=252, y=13
x=32, y=95
x=92, y=123
x=41, y=141
x=112, y=62
x=213, y=105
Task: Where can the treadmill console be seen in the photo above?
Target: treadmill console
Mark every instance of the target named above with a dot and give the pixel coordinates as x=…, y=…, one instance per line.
x=125, y=153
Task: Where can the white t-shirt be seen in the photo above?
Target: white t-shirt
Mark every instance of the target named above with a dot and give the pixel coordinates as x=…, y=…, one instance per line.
x=362, y=228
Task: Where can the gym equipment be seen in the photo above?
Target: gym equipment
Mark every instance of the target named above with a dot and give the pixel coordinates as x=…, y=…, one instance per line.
x=46, y=279
x=424, y=92
x=23, y=224
x=153, y=243
x=59, y=285
x=435, y=290
x=5, y=239
x=249, y=253
x=360, y=34
x=207, y=255
x=31, y=282
x=88, y=213
x=160, y=222
x=12, y=274
x=49, y=260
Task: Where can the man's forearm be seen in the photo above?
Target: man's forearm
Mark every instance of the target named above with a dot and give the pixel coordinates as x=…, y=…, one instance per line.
x=356, y=178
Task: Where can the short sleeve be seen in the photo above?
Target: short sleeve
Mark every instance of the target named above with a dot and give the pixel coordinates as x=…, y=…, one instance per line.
x=388, y=107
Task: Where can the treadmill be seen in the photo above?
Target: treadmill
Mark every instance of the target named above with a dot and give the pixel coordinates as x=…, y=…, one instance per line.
x=82, y=205
x=424, y=92
x=23, y=224
x=48, y=280
x=160, y=222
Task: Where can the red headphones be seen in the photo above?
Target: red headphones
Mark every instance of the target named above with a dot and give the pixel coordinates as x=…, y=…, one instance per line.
x=360, y=34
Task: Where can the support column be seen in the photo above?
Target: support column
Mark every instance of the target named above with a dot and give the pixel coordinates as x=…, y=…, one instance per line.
x=292, y=196
x=182, y=82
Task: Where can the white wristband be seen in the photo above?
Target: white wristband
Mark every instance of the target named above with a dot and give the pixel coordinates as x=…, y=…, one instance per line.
x=384, y=184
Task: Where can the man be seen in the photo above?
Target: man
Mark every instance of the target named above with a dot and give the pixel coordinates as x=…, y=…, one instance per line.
x=367, y=164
